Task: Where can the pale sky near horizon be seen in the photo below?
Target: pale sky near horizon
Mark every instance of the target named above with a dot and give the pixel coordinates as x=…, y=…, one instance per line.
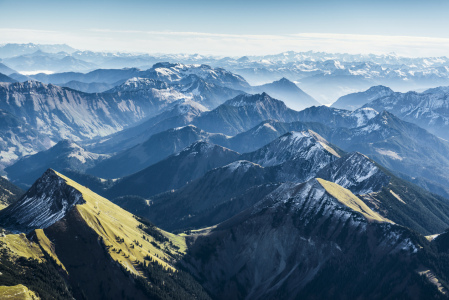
x=232, y=28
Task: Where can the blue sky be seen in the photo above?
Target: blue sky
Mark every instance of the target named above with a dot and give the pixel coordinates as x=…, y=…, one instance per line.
x=413, y=28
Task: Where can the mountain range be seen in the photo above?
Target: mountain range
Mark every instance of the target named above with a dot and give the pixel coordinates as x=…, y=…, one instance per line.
x=316, y=226
x=325, y=76
x=64, y=155
x=289, y=92
x=128, y=176
x=293, y=157
x=428, y=109
x=357, y=100
x=393, y=143
x=70, y=230
x=62, y=113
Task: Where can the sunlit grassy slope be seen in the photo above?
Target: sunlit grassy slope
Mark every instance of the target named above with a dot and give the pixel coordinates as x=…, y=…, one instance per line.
x=20, y=246
x=130, y=241
x=17, y=292
x=25, y=273
x=348, y=199
x=126, y=243
x=47, y=246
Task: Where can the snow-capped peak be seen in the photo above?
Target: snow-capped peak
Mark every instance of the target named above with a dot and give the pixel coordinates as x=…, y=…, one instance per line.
x=137, y=83
x=300, y=146
x=45, y=203
x=241, y=166
x=363, y=115
x=355, y=172
x=249, y=100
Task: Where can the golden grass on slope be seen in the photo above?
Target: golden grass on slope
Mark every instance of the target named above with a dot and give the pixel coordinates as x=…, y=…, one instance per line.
x=431, y=277
x=21, y=246
x=432, y=237
x=397, y=197
x=118, y=228
x=324, y=143
x=48, y=246
x=4, y=199
x=17, y=292
x=348, y=199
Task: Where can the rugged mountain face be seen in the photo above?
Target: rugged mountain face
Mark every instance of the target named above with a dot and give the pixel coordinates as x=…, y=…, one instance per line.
x=314, y=225
x=219, y=192
x=355, y=172
x=399, y=146
x=173, y=72
x=192, y=87
x=357, y=100
x=311, y=119
x=305, y=146
x=207, y=93
x=92, y=87
x=45, y=203
x=156, y=148
x=102, y=250
x=175, y=171
x=214, y=188
x=387, y=194
x=18, y=139
x=179, y=115
x=333, y=117
x=9, y=193
x=289, y=93
x=64, y=155
x=309, y=156
x=236, y=115
x=295, y=156
x=136, y=84
x=77, y=115
x=429, y=110
x=267, y=131
x=244, y=112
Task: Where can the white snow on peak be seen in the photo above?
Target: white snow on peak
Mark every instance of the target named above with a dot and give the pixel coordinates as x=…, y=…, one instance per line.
x=240, y=165
x=187, y=105
x=295, y=146
x=49, y=202
x=356, y=169
x=363, y=115
x=265, y=126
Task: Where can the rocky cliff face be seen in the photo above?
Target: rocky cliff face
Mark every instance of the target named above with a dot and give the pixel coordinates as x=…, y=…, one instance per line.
x=429, y=110
x=62, y=113
x=285, y=242
x=45, y=203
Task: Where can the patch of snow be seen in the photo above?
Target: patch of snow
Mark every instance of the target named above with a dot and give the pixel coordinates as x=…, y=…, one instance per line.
x=389, y=153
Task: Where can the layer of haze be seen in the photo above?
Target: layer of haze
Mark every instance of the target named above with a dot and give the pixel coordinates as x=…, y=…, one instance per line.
x=232, y=28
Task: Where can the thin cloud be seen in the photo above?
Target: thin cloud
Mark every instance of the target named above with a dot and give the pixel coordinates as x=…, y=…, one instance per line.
x=98, y=39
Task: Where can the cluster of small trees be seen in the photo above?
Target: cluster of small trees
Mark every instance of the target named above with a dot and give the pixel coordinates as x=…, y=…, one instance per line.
x=42, y=278
x=149, y=228
x=165, y=283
